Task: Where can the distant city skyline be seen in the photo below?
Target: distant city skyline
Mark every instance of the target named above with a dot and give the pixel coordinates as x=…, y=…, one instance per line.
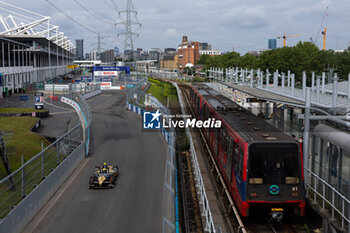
x=226, y=25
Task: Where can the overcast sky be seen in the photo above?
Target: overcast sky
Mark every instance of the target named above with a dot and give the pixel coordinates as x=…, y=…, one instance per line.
x=225, y=24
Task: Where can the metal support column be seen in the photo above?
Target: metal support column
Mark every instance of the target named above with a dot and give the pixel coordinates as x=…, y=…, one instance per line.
x=306, y=133
x=318, y=79
x=335, y=93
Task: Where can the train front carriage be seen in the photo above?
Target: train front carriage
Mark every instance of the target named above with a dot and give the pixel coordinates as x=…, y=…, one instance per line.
x=260, y=164
x=274, y=179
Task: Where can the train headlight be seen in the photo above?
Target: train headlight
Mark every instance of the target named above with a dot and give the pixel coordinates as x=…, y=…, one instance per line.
x=253, y=194
x=295, y=188
x=295, y=194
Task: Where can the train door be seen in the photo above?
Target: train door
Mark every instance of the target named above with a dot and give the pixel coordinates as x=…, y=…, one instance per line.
x=217, y=142
x=238, y=168
x=229, y=161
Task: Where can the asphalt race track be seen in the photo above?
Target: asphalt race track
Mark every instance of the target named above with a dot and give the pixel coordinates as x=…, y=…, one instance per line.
x=135, y=203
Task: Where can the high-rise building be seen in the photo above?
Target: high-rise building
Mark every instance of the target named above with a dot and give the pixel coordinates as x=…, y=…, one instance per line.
x=87, y=56
x=272, y=44
x=107, y=55
x=204, y=46
x=188, y=53
x=116, y=51
x=80, y=49
x=93, y=55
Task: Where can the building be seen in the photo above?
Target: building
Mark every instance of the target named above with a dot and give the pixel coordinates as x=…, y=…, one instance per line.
x=28, y=55
x=93, y=55
x=169, y=61
x=116, y=51
x=204, y=46
x=107, y=55
x=272, y=44
x=257, y=53
x=146, y=66
x=212, y=53
x=188, y=52
x=154, y=54
x=169, y=50
x=26, y=59
x=79, y=49
x=87, y=56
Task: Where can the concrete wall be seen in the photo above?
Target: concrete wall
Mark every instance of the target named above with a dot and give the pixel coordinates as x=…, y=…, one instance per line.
x=26, y=210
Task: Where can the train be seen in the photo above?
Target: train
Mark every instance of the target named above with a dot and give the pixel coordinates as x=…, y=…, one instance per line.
x=261, y=165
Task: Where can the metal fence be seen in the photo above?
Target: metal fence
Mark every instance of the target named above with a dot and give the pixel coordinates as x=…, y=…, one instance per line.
x=136, y=93
x=330, y=199
x=20, y=183
x=66, y=89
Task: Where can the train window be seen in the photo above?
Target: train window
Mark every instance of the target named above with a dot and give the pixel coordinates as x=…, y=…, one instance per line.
x=271, y=165
x=224, y=141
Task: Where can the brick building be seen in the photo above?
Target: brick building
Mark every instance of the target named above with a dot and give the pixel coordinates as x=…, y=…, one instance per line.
x=188, y=52
x=169, y=62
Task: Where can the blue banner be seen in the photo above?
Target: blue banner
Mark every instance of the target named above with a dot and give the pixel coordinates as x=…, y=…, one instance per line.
x=112, y=68
x=103, y=79
x=87, y=78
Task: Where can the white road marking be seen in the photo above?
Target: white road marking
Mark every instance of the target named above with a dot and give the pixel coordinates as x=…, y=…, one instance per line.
x=58, y=113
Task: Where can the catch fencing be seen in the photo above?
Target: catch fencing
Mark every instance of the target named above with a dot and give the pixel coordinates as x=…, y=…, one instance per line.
x=170, y=219
x=26, y=210
x=20, y=183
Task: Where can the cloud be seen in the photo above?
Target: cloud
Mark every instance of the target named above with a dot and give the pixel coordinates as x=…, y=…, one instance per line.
x=170, y=33
x=224, y=24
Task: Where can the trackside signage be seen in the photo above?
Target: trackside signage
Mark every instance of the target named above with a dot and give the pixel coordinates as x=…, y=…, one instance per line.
x=157, y=120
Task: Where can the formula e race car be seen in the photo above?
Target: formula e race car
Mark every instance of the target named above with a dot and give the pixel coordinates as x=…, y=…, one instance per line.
x=104, y=177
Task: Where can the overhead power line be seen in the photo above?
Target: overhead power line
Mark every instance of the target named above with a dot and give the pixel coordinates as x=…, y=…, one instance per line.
x=91, y=13
x=75, y=21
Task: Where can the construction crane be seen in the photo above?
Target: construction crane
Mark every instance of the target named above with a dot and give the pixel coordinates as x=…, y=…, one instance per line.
x=284, y=37
x=321, y=25
x=324, y=32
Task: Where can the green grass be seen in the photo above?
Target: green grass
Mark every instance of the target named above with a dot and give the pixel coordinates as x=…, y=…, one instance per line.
x=21, y=142
x=162, y=90
x=20, y=110
x=26, y=143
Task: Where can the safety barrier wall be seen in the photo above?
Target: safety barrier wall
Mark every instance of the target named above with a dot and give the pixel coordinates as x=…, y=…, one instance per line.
x=21, y=182
x=26, y=210
x=92, y=94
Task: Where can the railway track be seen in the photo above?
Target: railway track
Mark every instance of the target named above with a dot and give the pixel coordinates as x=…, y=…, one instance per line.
x=231, y=214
